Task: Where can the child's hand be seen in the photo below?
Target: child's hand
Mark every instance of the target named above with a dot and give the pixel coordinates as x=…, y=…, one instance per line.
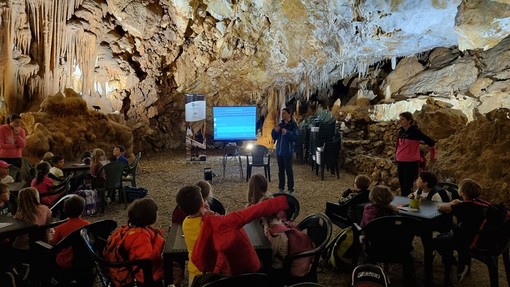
x=445, y=208
x=456, y=201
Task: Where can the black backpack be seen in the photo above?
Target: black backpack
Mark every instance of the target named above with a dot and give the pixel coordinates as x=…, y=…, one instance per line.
x=495, y=216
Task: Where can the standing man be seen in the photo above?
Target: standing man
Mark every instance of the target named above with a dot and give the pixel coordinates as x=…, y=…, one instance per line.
x=285, y=135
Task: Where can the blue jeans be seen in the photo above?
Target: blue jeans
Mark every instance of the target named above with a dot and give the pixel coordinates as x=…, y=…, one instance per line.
x=285, y=166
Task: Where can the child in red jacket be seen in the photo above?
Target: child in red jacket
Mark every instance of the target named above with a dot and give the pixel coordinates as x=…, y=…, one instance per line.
x=214, y=241
x=73, y=207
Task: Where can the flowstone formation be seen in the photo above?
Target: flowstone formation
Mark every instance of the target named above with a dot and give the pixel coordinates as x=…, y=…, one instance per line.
x=480, y=151
x=138, y=57
x=65, y=126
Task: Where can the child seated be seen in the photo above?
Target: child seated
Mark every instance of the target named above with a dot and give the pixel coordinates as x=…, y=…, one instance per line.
x=4, y=199
x=358, y=194
x=43, y=184
x=428, y=189
x=178, y=214
x=140, y=239
x=98, y=179
x=47, y=157
x=257, y=188
x=274, y=230
x=73, y=208
x=4, y=173
x=380, y=197
x=56, y=172
x=214, y=242
x=469, y=218
x=30, y=210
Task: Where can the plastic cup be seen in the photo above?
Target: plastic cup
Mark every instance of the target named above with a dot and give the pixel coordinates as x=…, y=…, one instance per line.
x=415, y=203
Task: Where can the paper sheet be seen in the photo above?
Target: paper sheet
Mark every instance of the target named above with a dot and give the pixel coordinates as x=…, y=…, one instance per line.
x=4, y=224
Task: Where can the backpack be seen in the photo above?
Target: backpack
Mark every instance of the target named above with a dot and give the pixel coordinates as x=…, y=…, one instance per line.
x=91, y=201
x=339, y=253
x=495, y=216
x=133, y=193
x=114, y=252
x=298, y=242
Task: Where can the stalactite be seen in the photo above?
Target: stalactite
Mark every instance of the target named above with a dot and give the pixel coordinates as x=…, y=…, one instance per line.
x=307, y=87
x=48, y=25
x=7, y=93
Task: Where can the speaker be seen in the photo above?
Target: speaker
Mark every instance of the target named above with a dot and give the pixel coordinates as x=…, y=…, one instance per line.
x=208, y=174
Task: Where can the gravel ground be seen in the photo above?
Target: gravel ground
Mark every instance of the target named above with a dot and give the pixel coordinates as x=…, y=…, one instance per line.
x=165, y=173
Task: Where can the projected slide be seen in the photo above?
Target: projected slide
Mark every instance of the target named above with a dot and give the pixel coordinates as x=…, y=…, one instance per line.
x=234, y=123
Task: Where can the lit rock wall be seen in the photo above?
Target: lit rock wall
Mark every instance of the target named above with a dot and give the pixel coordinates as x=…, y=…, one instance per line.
x=139, y=57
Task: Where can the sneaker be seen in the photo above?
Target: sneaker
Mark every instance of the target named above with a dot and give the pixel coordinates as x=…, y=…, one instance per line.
x=281, y=190
x=463, y=271
x=291, y=191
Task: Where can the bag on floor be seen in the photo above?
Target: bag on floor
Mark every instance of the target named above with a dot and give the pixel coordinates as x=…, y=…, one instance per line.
x=133, y=193
x=91, y=201
x=340, y=252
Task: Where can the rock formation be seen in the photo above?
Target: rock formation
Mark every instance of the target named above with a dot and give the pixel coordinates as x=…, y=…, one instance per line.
x=65, y=126
x=139, y=57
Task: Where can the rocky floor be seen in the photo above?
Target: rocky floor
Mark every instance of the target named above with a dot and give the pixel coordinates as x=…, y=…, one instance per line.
x=165, y=173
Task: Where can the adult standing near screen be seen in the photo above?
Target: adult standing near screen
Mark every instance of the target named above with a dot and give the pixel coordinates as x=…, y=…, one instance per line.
x=407, y=152
x=285, y=135
x=12, y=140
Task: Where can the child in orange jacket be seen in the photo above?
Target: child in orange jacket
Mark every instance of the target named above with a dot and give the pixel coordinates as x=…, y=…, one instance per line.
x=143, y=241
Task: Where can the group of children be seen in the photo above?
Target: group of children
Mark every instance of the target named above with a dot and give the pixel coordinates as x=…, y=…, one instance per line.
x=214, y=241
x=468, y=212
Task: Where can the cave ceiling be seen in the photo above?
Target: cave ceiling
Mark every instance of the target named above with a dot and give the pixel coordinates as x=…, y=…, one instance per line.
x=136, y=57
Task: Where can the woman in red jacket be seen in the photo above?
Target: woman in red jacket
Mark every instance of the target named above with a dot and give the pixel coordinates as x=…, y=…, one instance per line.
x=12, y=140
x=407, y=152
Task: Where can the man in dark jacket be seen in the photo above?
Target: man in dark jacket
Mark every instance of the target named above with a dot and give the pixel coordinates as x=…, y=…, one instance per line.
x=285, y=134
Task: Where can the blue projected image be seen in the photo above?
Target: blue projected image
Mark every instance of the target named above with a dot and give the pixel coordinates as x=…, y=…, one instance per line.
x=235, y=123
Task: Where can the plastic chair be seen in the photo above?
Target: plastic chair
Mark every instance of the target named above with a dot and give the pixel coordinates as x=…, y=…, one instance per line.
x=28, y=168
x=452, y=188
x=58, y=207
x=292, y=212
x=103, y=266
x=113, y=171
x=318, y=227
x=245, y=280
x=328, y=156
x=260, y=157
x=17, y=174
x=82, y=272
x=231, y=153
x=338, y=214
x=132, y=170
x=500, y=239
x=61, y=190
x=389, y=239
x=217, y=206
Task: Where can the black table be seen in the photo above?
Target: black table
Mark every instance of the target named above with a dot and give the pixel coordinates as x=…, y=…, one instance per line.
x=432, y=219
x=16, y=227
x=175, y=247
x=75, y=167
